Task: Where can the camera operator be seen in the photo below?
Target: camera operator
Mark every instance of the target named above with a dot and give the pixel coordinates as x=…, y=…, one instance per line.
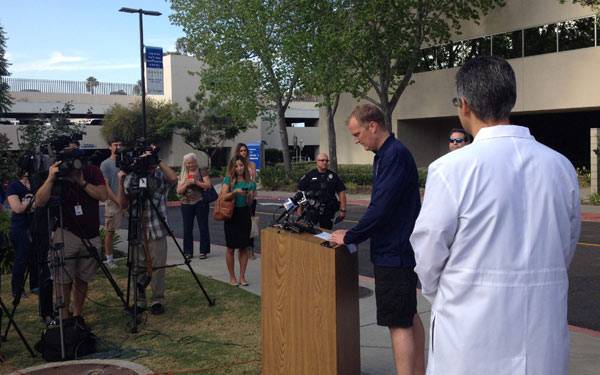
x=80, y=191
x=159, y=178
x=323, y=184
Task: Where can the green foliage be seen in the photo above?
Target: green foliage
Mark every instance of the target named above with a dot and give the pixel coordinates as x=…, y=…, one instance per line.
x=273, y=178
x=43, y=131
x=5, y=100
x=126, y=122
x=273, y=156
x=8, y=164
x=422, y=177
x=9, y=253
x=594, y=199
x=209, y=123
x=390, y=37
x=584, y=176
x=252, y=52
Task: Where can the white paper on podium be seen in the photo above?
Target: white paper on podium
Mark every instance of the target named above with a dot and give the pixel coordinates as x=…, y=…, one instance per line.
x=352, y=248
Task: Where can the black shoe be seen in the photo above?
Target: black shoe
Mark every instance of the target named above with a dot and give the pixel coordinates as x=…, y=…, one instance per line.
x=203, y=256
x=157, y=309
x=188, y=256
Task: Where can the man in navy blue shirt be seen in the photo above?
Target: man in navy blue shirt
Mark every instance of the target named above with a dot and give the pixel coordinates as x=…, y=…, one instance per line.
x=388, y=222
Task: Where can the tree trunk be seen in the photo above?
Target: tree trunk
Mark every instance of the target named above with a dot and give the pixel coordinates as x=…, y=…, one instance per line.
x=387, y=115
x=331, y=137
x=287, y=165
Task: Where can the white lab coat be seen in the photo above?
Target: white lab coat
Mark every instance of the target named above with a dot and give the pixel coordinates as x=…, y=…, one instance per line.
x=494, y=239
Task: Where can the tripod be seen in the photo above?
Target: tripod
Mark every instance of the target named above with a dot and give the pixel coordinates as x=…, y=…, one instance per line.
x=139, y=195
x=5, y=311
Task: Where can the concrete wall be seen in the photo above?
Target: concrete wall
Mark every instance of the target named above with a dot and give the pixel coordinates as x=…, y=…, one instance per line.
x=37, y=102
x=91, y=140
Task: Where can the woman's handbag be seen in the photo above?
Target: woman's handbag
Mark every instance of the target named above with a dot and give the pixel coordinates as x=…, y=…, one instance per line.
x=223, y=209
x=210, y=195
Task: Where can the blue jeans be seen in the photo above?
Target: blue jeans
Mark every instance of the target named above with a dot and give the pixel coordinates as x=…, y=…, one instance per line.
x=198, y=211
x=23, y=260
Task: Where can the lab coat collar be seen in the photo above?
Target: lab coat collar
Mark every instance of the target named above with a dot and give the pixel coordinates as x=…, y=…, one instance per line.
x=498, y=131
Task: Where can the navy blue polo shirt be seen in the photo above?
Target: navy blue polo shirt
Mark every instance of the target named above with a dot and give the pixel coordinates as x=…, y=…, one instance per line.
x=395, y=204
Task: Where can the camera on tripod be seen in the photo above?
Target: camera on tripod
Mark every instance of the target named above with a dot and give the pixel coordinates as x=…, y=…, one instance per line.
x=137, y=159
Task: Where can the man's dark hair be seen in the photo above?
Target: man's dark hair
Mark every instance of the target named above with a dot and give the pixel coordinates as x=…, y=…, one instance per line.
x=466, y=135
x=488, y=85
x=365, y=113
x=113, y=139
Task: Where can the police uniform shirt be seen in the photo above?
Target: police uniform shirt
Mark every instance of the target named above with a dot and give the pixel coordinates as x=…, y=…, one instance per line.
x=325, y=184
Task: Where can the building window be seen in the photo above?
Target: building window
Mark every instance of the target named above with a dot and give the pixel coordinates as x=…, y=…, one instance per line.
x=508, y=45
x=576, y=34
x=540, y=40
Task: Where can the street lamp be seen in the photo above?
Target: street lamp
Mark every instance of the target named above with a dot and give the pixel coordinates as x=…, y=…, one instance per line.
x=147, y=13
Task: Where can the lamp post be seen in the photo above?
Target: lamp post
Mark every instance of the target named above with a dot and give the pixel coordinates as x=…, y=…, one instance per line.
x=142, y=12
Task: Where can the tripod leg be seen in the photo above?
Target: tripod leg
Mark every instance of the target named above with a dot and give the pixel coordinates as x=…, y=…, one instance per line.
x=10, y=319
x=211, y=302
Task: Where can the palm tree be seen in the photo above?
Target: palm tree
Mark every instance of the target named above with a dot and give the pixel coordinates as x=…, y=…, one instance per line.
x=90, y=84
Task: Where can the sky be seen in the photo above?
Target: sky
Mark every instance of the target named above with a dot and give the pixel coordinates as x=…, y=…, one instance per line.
x=75, y=39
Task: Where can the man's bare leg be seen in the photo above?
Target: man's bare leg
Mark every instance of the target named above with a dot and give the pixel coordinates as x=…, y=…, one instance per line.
x=419, y=335
x=80, y=288
x=403, y=345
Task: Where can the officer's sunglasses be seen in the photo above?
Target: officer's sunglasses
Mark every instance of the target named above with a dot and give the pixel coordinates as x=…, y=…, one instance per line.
x=456, y=140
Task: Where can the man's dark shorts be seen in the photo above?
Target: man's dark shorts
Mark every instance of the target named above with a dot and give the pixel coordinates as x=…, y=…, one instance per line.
x=395, y=296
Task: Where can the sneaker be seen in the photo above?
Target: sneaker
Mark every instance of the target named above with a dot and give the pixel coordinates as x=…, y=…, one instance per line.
x=110, y=264
x=187, y=256
x=203, y=256
x=157, y=309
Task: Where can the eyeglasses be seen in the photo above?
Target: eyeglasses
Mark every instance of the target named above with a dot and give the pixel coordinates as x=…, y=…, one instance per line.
x=325, y=160
x=456, y=140
x=456, y=102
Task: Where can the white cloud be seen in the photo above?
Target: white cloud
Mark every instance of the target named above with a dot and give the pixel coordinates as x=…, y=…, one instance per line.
x=57, y=61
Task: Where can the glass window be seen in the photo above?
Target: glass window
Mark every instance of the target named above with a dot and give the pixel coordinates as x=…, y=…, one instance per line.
x=540, y=40
x=507, y=45
x=576, y=34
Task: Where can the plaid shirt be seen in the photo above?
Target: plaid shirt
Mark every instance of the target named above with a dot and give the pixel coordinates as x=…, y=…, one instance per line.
x=158, y=187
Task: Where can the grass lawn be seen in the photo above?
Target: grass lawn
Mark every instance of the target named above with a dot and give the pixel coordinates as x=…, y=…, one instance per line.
x=190, y=336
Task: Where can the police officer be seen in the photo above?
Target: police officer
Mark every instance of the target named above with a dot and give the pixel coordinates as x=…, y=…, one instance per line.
x=323, y=184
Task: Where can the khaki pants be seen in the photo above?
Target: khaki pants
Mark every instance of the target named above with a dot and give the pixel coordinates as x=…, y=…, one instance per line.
x=157, y=250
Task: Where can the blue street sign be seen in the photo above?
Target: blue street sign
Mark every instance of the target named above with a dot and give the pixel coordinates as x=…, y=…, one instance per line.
x=154, y=57
x=254, y=153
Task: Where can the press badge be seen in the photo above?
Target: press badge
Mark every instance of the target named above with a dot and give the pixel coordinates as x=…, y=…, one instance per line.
x=143, y=183
x=78, y=210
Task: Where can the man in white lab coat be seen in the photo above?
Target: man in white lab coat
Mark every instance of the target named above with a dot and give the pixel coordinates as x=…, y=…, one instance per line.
x=494, y=239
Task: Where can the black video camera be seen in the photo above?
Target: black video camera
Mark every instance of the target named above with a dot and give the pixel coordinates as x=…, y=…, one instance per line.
x=136, y=160
x=71, y=158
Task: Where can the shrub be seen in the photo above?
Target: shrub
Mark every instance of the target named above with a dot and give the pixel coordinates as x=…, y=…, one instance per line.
x=584, y=176
x=6, y=250
x=594, y=199
x=422, y=176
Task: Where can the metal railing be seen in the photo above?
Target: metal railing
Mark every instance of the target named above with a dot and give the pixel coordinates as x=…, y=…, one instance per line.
x=69, y=87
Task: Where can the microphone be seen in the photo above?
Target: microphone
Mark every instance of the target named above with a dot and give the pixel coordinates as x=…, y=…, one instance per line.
x=291, y=204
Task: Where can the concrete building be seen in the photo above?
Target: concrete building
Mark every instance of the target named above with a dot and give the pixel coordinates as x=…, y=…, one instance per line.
x=553, y=49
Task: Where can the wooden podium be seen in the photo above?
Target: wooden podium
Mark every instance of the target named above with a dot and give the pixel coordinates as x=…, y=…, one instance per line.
x=309, y=294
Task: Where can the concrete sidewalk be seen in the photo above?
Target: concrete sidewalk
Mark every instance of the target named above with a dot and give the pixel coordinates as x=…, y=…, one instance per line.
x=376, y=351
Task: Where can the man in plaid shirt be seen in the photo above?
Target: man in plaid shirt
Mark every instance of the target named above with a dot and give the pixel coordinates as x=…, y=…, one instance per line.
x=159, y=179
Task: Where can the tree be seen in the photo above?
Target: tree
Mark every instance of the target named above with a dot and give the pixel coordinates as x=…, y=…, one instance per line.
x=327, y=72
x=43, y=131
x=208, y=124
x=7, y=160
x=389, y=37
x=126, y=122
x=5, y=100
x=181, y=46
x=249, y=47
x=90, y=84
